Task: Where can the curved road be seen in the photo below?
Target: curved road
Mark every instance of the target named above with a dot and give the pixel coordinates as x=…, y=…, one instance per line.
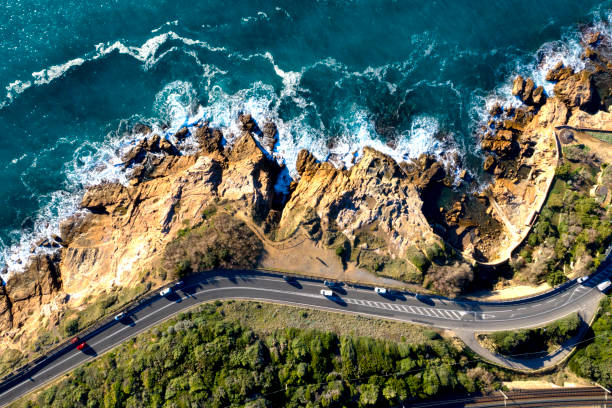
x=464, y=317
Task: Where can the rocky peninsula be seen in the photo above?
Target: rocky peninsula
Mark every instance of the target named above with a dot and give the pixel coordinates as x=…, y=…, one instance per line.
x=408, y=221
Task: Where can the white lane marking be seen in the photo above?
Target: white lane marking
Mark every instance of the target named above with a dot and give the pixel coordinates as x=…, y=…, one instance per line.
x=460, y=312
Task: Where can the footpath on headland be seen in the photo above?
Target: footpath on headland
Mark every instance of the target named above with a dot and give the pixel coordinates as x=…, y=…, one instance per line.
x=465, y=318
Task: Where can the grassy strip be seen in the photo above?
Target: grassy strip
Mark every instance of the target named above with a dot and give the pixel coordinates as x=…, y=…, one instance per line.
x=541, y=339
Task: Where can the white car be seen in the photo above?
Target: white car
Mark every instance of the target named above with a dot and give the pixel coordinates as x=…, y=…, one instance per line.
x=603, y=286
x=381, y=291
x=179, y=283
x=327, y=293
x=165, y=292
x=582, y=279
x=120, y=316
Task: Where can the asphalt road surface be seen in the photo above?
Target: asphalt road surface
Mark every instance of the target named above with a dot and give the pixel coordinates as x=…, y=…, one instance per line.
x=427, y=310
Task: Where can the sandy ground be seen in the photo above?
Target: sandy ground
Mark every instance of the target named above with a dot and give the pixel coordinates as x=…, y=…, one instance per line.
x=305, y=257
x=511, y=292
x=536, y=384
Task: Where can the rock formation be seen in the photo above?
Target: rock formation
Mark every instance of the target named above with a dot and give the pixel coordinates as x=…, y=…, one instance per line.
x=375, y=193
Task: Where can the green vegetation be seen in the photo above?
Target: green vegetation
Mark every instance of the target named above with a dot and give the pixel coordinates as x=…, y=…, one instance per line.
x=603, y=136
x=198, y=359
x=545, y=338
x=217, y=241
x=435, y=253
x=572, y=229
x=417, y=258
x=9, y=359
x=594, y=360
x=104, y=305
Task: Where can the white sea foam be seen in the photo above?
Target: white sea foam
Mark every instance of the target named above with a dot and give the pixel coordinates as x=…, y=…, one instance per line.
x=261, y=16
x=47, y=75
x=146, y=53
x=568, y=50
x=92, y=163
x=176, y=105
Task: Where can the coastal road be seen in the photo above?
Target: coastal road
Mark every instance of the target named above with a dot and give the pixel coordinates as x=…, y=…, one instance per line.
x=461, y=316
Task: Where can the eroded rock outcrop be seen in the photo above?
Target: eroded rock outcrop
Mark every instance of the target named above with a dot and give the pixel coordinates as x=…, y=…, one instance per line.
x=122, y=230
x=374, y=191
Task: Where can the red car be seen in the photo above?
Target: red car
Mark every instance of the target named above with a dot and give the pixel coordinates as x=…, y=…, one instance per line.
x=81, y=346
x=74, y=340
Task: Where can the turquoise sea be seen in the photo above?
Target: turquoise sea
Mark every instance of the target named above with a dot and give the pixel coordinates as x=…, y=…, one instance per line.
x=406, y=77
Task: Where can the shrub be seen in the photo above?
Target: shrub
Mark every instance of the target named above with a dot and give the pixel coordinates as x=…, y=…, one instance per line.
x=219, y=241
x=417, y=258
x=534, y=340
x=450, y=280
x=72, y=327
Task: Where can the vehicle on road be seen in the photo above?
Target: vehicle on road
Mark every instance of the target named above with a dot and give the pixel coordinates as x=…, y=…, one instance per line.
x=331, y=284
x=165, y=292
x=81, y=346
x=75, y=340
x=327, y=293
x=120, y=316
x=604, y=286
x=582, y=279
x=288, y=278
x=425, y=299
x=179, y=284
x=381, y=291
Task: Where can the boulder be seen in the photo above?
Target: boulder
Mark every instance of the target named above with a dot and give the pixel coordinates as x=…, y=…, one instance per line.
x=181, y=134
x=305, y=161
x=425, y=172
x=168, y=148
x=136, y=154
x=576, y=91
x=496, y=110
x=141, y=128
x=527, y=91
x=538, y=97
x=489, y=163
x=247, y=123
x=154, y=144
x=209, y=139
x=270, y=135
x=559, y=73
x=593, y=39
x=518, y=87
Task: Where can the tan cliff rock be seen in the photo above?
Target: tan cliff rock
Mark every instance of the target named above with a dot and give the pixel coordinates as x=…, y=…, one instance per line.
x=374, y=191
x=524, y=172
x=123, y=229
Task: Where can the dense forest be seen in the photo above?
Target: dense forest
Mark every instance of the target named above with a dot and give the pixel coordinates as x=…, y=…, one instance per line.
x=594, y=360
x=198, y=359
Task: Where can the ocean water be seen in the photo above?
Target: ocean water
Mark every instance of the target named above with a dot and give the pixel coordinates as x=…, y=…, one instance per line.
x=406, y=77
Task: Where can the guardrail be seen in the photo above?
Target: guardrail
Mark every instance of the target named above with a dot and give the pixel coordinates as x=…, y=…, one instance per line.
x=145, y=297
x=90, y=329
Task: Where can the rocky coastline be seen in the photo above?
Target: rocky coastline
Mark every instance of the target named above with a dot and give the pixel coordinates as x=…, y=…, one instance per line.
x=407, y=220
